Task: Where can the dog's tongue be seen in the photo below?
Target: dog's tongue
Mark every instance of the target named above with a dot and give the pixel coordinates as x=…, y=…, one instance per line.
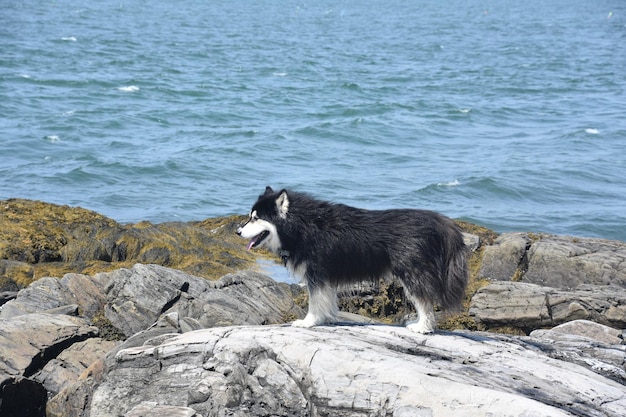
x=251, y=243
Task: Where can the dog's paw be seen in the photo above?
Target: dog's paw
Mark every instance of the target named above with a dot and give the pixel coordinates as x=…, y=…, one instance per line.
x=303, y=323
x=310, y=320
x=421, y=328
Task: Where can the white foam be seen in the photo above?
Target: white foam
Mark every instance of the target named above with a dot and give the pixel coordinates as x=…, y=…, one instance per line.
x=69, y=38
x=280, y=74
x=465, y=110
x=52, y=138
x=129, y=88
x=592, y=131
x=454, y=183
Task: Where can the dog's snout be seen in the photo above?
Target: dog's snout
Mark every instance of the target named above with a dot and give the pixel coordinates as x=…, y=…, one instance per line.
x=239, y=231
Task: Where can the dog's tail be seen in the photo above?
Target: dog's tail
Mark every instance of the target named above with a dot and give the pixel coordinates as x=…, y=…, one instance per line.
x=457, y=275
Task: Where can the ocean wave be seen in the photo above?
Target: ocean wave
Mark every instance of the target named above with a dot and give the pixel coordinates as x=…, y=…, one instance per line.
x=454, y=183
x=129, y=88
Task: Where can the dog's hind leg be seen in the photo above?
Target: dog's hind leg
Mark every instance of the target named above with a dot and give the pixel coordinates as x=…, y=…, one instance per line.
x=322, y=307
x=426, y=322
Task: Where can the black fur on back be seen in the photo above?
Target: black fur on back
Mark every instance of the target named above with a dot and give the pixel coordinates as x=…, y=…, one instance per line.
x=341, y=245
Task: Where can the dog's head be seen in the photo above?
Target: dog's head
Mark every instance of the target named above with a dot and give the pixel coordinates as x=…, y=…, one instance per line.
x=270, y=209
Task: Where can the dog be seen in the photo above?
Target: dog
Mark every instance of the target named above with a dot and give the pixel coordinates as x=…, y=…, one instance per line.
x=331, y=245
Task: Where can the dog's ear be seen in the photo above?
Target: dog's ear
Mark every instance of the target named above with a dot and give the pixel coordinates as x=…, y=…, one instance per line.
x=268, y=190
x=282, y=204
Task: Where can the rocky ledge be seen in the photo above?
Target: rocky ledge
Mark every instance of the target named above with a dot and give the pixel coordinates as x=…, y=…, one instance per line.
x=349, y=370
x=156, y=341
x=114, y=337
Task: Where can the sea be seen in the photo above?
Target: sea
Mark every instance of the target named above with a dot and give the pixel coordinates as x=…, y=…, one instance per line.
x=509, y=114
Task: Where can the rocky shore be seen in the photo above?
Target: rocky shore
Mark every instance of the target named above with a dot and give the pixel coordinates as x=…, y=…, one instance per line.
x=103, y=319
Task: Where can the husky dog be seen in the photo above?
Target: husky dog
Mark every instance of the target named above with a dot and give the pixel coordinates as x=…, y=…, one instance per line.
x=329, y=245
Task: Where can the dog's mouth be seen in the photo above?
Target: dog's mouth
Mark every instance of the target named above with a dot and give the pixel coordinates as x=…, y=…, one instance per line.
x=256, y=241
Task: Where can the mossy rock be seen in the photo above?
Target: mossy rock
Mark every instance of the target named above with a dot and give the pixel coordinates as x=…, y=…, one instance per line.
x=40, y=239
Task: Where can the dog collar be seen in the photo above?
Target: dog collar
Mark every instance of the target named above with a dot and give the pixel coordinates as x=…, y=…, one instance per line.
x=284, y=255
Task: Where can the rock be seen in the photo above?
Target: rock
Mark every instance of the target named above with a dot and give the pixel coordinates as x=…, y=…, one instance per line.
x=11, y=270
x=563, y=262
x=153, y=409
x=567, y=262
x=139, y=296
x=76, y=396
x=6, y=296
x=583, y=329
x=472, y=241
x=38, y=239
x=529, y=306
x=63, y=370
x=349, y=371
x=592, y=345
x=28, y=342
x=143, y=303
x=502, y=259
x=49, y=294
x=514, y=304
x=244, y=297
x=133, y=299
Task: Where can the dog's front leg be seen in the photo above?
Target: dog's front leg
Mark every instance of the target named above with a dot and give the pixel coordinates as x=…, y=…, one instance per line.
x=322, y=307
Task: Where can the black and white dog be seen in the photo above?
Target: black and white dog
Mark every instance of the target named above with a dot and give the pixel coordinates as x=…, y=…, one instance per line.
x=329, y=245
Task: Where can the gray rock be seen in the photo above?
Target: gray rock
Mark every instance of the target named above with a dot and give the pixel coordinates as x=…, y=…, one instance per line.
x=244, y=297
x=39, y=340
x=52, y=293
x=28, y=342
x=6, y=296
x=563, y=262
x=567, y=262
x=502, y=259
x=153, y=409
x=44, y=294
x=592, y=345
x=76, y=396
x=529, y=306
x=133, y=299
x=582, y=329
x=472, y=241
x=137, y=297
x=63, y=370
x=351, y=371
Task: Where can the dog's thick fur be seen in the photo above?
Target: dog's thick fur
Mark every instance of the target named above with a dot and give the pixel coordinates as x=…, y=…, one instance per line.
x=329, y=245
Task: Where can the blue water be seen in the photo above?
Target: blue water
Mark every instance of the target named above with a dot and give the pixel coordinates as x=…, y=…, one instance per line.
x=509, y=114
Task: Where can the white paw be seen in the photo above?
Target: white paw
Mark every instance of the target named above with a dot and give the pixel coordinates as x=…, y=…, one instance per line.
x=303, y=323
x=309, y=321
x=421, y=327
